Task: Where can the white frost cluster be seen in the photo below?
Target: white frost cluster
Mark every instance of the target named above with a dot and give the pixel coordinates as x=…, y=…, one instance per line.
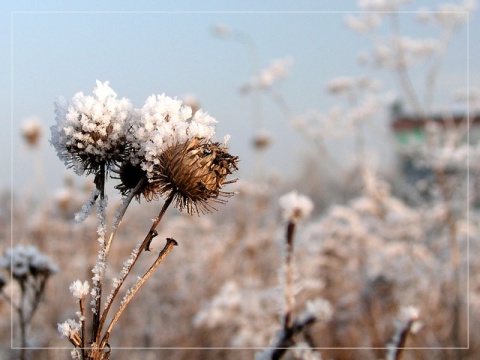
x=401, y=51
x=447, y=15
x=319, y=309
x=69, y=328
x=407, y=322
x=304, y=351
x=364, y=23
x=23, y=261
x=295, y=206
x=78, y=289
x=277, y=69
x=92, y=126
x=164, y=121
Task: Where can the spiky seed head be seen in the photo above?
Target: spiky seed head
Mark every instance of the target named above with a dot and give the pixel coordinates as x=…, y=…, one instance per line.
x=194, y=173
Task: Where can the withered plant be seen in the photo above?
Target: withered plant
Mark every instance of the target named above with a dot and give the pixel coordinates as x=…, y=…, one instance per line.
x=161, y=150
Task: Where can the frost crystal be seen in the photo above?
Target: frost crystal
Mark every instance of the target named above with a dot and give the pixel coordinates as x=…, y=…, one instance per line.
x=295, y=207
x=68, y=328
x=79, y=289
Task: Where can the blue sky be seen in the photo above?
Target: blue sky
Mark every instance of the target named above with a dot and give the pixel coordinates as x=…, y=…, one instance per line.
x=55, y=48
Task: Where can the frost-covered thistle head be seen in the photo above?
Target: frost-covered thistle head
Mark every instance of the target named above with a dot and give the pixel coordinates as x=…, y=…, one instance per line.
x=174, y=154
x=91, y=132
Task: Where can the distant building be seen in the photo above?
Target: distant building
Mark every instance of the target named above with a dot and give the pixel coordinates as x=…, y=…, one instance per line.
x=410, y=133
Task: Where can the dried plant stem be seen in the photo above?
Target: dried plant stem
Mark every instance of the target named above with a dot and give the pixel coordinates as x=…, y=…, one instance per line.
x=106, y=249
x=400, y=68
x=168, y=247
x=401, y=340
x=22, y=320
x=456, y=301
x=289, y=292
x=144, y=246
x=434, y=69
x=100, y=184
x=84, y=330
x=288, y=337
x=121, y=213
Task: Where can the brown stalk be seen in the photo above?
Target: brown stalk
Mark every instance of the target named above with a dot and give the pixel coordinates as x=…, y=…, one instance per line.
x=82, y=320
x=287, y=323
x=165, y=251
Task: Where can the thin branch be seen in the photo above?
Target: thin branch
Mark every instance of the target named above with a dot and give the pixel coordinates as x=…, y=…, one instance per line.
x=401, y=71
x=289, y=292
x=84, y=330
x=100, y=184
x=288, y=337
x=166, y=250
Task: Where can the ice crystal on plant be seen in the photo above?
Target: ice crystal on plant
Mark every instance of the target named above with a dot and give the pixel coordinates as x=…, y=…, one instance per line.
x=87, y=207
x=68, y=328
x=78, y=289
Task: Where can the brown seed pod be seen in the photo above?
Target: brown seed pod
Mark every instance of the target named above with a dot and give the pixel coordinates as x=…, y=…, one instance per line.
x=130, y=175
x=194, y=173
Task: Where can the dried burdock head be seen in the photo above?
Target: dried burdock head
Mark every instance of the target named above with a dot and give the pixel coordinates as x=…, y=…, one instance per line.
x=194, y=173
x=130, y=175
x=90, y=134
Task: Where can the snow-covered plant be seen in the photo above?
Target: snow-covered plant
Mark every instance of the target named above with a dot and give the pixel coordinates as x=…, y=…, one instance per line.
x=407, y=323
x=294, y=207
x=30, y=270
x=160, y=150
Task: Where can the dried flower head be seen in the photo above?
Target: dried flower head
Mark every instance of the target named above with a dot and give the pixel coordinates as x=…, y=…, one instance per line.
x=129, y=176
x=32, y=131
x=91, y=133
x=295, y=207
x=194, y=172
x=170, y=149
x=262, y=139
x=25, y=261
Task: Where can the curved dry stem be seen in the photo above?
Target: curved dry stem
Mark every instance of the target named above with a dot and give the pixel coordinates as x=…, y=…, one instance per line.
x=165, y=251
x=144, y=246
